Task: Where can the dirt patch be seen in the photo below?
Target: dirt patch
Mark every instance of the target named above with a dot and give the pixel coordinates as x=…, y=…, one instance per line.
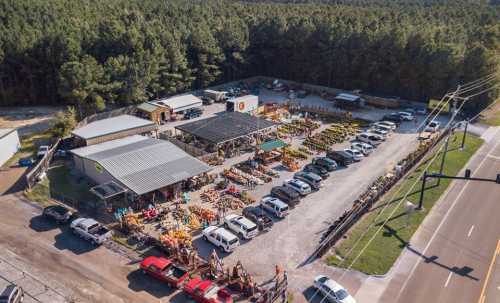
x=27, y=120
x=492, y=115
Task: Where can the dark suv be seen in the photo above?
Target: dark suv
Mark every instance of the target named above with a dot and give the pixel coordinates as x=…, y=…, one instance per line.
x=287, y=195
x=394, y=117
x=326, y=163
x=258, y=216
x=192, y=113
x=317, y=169
x=340, y=156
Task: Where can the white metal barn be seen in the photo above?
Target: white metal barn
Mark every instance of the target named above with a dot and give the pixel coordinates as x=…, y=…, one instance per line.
x=9, y=144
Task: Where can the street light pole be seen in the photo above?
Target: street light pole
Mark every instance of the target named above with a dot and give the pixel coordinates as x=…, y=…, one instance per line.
x=421, y=201
x=443, y=158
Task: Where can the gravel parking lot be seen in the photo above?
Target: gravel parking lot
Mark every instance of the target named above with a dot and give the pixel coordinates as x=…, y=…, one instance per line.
x=291, y=241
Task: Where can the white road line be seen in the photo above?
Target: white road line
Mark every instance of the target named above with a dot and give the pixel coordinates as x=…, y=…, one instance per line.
x=494, y=157
x=448, y=280
x=442, y=221
x=470, y=231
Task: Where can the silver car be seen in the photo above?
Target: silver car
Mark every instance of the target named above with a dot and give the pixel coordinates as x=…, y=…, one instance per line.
x=12, y=294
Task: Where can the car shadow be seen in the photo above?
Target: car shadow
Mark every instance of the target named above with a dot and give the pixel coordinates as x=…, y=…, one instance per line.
x=66, y=240
x=138, y=281
x=42, y=224
x=205, y=248
x=181, y=297
x=312, y=295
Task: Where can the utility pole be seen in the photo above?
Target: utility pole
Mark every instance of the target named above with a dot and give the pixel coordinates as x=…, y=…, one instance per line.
x=441, y=167
x=421, y=201
x=465, y=134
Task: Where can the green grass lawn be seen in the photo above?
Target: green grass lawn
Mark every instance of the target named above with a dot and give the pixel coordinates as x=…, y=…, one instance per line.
x=387, y=245
x=59, y=182
x=445, y=108
x=491, y=116
x=29, y=147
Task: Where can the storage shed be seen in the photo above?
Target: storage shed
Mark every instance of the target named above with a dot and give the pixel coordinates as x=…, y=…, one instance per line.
x=153, y=112
x=243, y=104
x=348, y=100
x=113, y=128
x=9, y=144
x=180, y=104
x=139, y=164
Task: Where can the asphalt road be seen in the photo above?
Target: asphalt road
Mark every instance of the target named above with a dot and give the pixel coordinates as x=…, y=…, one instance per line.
x=54, y=266
x=459, y=262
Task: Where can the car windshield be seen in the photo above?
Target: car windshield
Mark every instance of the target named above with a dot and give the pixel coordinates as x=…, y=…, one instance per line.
x=341, y=294
x=233, y=241
x=284, y=208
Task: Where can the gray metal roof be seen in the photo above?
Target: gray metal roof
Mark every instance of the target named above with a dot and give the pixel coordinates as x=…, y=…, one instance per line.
x=144, y=164
x=5, y=131
x=347, y=97
x=111, y=126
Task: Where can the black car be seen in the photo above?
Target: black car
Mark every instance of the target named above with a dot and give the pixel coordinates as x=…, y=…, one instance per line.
x=207, y=100
x=340, y=157
x=316, y=169
x=310, y=178
x=58, y=213
x=326, y=163
x=394, y=117
x=258, y=216
x=192, y=113
x=287, y=195
x=12, y=294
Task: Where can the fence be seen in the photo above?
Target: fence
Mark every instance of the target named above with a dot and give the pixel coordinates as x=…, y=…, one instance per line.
x=42, y=166
x=368, y=198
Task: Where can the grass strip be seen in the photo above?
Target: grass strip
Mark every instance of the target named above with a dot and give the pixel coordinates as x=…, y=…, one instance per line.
x=387, y=245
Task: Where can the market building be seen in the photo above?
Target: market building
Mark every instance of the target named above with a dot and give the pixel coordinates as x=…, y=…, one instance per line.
x=179, y=104
x=112, y=129
x=9, y=144
x=228, y=132
x=139, y=165
x=157, y=114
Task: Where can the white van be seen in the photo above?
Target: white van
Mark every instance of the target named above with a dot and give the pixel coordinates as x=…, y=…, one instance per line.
x=275, y=206
x=221, y=238
x=241, y=226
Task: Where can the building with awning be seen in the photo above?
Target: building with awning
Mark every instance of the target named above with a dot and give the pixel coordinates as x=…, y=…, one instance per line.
x=179, y=104
x=139, y=164
x=153, y=112
x=271, y=145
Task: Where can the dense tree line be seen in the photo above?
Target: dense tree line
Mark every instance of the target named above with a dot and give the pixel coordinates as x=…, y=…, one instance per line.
x=99, y=54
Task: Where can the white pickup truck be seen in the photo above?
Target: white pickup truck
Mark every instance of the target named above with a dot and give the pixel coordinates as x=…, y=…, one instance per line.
x=90, y=230
x=241, y=226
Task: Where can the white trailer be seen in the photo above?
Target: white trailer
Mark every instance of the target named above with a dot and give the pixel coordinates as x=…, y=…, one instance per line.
x=217, y=96
x=244, y=104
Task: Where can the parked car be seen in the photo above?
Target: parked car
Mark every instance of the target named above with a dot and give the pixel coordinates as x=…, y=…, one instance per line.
x=394, y=117
x=241, y=226
x=165, y=270
x=365, y=148
x=299, y=186
x=25, y=162
x=258, y=216
x=382, y=126
x=341, y=157
x=421, y=111
x=325, y=162
x=316, y=169
x=275, y=206
x=287, y=195
x=206, y=291
x=370, y=138
x=42, y=151
x=221, y=238
x=390, y=124
x=58, y=213
x=356, y=154
x=193, y=113
x=432, y=127
x=90, y=230
x=410, y=110
x=333, y=291
x=315, y=181
x=378, y=131
x=12, y=294
x=207, y=100
x=406, y=116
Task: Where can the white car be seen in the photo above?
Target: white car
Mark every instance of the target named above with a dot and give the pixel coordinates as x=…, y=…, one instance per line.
x=275, y=206
x=356, y=154
x=42, y=151
x=372, y=139
x=299, y=186
x=241, y=226
x=390, y=124
x=365, y=148
x=333, y=291
x=221, y=238
x=432, y=127
x=378, y=131
x=406, y=116
x=383, y=126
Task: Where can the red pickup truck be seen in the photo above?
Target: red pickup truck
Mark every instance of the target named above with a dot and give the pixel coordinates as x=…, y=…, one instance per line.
x=206, y=291
x=165, y=270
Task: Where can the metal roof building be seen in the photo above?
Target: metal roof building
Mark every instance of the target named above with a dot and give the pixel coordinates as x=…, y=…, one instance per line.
x=9, y=144
x=180, y=103
x=113, y=128
x=139, y=163
x=226, y=127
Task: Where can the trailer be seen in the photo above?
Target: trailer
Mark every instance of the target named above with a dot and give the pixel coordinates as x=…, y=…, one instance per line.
x=217, y=96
